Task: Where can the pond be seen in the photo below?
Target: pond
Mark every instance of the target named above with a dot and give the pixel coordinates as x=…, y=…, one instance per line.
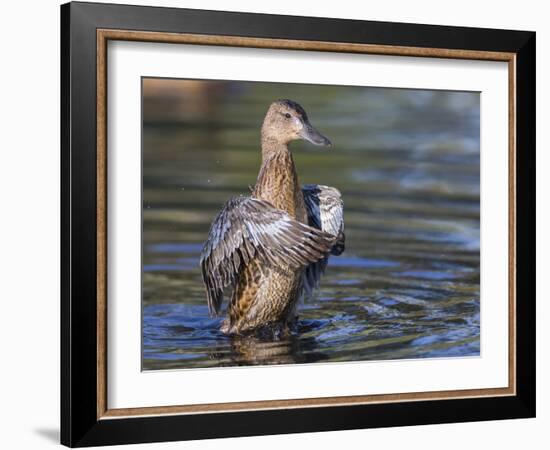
x=407, y=164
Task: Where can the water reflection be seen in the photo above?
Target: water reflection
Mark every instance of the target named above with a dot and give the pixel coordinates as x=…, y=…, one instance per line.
x=407, y=163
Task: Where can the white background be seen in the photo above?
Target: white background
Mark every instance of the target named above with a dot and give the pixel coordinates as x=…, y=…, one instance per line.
x=29, y=183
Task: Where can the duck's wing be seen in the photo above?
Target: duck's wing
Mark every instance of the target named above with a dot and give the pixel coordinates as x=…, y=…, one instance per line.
x=325, y=210
x=247, y=227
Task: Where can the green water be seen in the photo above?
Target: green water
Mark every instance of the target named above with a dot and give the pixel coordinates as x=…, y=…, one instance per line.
x=407, y=164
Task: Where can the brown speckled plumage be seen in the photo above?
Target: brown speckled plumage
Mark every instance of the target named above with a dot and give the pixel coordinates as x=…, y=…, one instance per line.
x=273, y=245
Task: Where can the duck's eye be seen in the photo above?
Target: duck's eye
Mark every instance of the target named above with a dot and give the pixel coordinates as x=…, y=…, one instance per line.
x=287, y=115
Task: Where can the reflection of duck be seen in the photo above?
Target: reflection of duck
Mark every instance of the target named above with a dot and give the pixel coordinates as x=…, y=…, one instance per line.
x=291, y=349
x=272, y=246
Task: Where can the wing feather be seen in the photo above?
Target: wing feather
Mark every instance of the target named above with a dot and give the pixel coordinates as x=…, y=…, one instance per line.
x=325, y=210
x=246, y=228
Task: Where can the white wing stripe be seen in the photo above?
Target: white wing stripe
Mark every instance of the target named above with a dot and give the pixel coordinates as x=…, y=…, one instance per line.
x=325, y=212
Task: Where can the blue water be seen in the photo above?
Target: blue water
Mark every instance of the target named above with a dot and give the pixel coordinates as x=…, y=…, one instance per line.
x=407, y=164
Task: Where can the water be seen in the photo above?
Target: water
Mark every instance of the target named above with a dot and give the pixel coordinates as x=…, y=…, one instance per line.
x=407, y=164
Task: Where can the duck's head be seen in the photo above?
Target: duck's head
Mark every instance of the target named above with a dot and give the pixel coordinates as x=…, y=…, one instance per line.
x=287, y=121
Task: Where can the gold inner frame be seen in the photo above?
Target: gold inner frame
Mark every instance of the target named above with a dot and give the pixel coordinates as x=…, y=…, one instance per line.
x=104, y=35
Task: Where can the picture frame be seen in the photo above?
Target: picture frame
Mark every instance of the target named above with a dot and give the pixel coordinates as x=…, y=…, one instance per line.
x=86, y=418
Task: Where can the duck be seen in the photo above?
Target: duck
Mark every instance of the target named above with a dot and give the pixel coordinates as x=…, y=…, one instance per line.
x=272, y=247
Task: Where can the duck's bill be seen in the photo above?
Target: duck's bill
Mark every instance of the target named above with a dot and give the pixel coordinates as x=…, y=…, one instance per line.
x=312, y=135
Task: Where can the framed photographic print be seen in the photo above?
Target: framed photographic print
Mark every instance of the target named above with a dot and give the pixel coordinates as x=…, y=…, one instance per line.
x=276, y=224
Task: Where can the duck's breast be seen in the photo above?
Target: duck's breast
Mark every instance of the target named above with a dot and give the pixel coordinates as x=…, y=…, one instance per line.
x=278, y=184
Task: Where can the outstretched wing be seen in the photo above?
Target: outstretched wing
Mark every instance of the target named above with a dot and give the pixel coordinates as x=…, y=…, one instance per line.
x=325, y=210
x=247, y=227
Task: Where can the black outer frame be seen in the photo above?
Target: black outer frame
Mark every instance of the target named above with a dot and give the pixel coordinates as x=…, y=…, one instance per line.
x=79, y=423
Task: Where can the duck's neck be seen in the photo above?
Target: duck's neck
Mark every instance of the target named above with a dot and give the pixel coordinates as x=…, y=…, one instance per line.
x=278, y=181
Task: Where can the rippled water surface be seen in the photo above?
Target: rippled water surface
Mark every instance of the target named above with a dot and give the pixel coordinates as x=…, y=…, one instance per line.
x=407, y=164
